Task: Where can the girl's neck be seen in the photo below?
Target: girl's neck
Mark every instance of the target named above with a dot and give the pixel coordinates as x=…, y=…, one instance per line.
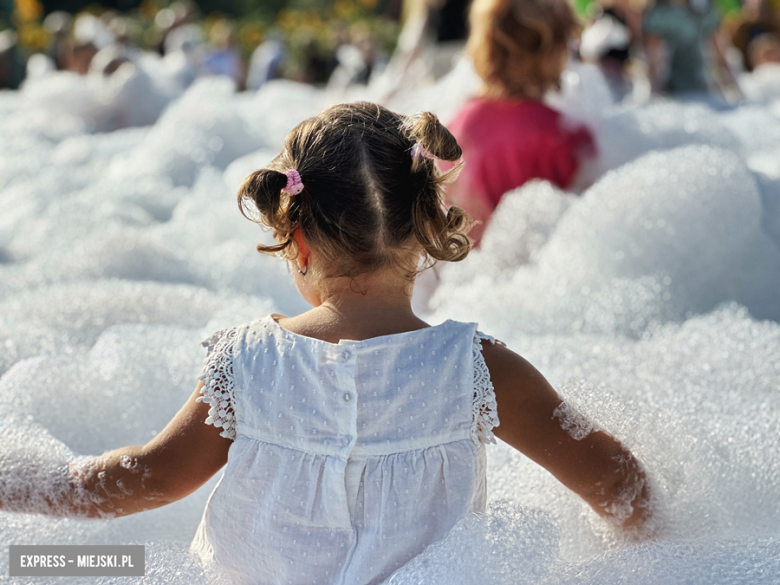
x=363, y=308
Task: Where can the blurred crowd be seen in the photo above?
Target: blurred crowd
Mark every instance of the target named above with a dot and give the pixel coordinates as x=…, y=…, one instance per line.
x=351, y=37
x=654, y=47
x=683, y=46
x=665, y=47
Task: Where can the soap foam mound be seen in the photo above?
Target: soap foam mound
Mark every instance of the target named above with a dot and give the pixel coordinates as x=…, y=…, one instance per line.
x=507, y=544
x=34, y=468
x=122, y=391
x=59, y=319
x=642, y=246
x=699, y=563
x=697, y=403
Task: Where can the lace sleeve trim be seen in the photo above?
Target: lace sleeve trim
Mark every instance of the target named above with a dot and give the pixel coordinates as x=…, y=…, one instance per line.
x=218, y=382
x=484, y=410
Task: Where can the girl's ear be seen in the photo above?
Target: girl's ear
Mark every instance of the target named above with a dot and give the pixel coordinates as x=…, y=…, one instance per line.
x=303, y=250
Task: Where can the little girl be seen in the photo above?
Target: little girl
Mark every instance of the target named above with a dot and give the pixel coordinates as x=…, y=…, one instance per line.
x=519, y=49
x=354, y=434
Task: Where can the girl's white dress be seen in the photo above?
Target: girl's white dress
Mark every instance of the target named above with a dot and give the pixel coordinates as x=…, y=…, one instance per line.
x=348, y=459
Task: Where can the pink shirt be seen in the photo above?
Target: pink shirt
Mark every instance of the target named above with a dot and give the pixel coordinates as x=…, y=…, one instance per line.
x=508, y=142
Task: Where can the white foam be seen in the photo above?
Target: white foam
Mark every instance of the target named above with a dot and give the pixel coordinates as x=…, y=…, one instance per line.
x=506, y=545
x=575, y=424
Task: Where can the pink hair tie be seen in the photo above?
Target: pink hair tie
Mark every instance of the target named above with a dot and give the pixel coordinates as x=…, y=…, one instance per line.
x=294, y=184
x=419, y=149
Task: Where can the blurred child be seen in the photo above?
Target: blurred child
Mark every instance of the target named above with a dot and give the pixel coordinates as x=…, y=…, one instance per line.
x=680, y=36
x=764, y=50
x=78, y=57
x=606, y=42
x=354, y=434
x=508, y=136
x=222, y=58
x=757, y=18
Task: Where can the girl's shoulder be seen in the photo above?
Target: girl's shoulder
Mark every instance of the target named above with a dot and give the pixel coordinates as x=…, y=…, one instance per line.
x=232, y=342
x=226, y=339
x=256, y=328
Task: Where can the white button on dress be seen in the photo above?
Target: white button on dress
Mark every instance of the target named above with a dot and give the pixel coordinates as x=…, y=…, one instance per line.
x=371, y=457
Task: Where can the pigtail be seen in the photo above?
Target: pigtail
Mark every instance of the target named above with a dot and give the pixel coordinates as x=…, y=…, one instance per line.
x=426, y=130
x=441, y=234
x=260, y=199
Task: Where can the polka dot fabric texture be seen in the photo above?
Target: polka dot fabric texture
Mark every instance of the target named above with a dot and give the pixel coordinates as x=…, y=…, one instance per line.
x=349, y=458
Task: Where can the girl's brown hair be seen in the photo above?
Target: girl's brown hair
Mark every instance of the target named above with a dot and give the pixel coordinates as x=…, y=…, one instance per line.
x=367, y=202
x=519, y=47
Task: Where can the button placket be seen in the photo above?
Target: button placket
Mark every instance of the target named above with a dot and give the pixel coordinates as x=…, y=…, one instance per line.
x=342, y=361
x=349, y=396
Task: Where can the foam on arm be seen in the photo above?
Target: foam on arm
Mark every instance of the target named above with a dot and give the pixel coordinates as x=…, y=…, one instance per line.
x=124, y=481
x=535, y=421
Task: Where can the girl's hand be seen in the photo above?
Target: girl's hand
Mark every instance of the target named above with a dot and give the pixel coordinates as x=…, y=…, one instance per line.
x=596, y=467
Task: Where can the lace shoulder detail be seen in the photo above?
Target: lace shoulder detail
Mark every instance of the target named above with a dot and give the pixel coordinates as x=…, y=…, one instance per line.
x=218, y=382
x=483, y=407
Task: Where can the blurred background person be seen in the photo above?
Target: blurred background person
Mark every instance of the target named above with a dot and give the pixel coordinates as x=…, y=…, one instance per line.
x=267, y=61
x=79, y=55
x=606, y=43
x=508, y=135
x=762, y=82
x=221, y=56
x=178, y=28
x=356, y=60
x=612, y=41
x=57, y=25
x=11, y=64
x=678, y=34
x=429, y=45
x=757, y=19
x=179, y=38
x=764, y=50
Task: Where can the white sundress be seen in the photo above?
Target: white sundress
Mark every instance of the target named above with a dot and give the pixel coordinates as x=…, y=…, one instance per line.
x=348, y=459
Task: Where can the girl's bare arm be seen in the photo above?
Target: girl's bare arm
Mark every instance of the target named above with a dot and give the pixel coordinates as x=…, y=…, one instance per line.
x=175, y=463
x=597, y=467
